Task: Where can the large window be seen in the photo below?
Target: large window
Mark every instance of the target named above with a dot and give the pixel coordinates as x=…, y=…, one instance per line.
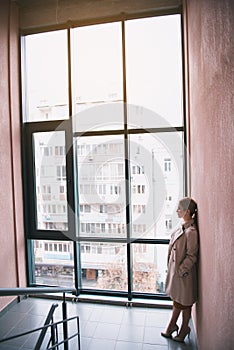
x=97, y=79
x=104, y=153
x=46, y=77
x=50, y=180
x=153, y=70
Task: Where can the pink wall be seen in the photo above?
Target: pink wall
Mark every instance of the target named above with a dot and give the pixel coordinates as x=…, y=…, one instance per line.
x=39, y=13
x=210, y=33
x=210, y=93
x=12, y=255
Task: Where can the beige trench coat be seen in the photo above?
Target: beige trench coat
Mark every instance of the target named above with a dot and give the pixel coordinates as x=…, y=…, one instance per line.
x=181, y=281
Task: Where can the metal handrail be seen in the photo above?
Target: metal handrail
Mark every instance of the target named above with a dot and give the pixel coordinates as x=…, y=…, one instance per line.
x=55, y=324
x=40, y=290
x=48, y=320
x=35, y=290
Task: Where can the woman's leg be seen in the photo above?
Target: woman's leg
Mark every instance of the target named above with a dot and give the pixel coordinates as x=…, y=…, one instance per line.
x=185, y=329
x=172, y=326
x=174, y=317
x=186, y=314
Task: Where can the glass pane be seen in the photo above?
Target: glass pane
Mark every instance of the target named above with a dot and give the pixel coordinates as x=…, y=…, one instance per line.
x=149, y=268
x=154, y=71
x=156, y=168
x=101, y=179
x=50, y=180
x=97, y=77
x=46, y=68
x=104, y=266
x=54, y=263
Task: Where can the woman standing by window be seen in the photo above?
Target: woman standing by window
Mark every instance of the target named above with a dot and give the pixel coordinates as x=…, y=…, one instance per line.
x=181, y=281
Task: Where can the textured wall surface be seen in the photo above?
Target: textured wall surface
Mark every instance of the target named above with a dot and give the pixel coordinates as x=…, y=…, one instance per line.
x=210, y=95
x=12, y=255
x=211, y=86
x=37, y=13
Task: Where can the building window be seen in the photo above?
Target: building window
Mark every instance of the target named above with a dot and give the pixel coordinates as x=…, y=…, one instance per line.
x=168, y=223
x=167, y=164
x=61, y=172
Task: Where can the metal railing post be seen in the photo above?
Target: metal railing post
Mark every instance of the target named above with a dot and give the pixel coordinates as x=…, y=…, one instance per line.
x=78, y=330
x=54, y=335
x=65, y=331
x=54, y=331
x=44, y=330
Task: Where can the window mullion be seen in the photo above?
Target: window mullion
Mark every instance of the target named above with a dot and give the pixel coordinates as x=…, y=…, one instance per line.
x=127, y=169
x=69, y=73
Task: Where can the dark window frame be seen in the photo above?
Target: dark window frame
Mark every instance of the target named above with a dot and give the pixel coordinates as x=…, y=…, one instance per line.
x=29, y=128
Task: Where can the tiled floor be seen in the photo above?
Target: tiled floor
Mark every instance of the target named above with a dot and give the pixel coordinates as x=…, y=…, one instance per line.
x=102, y=326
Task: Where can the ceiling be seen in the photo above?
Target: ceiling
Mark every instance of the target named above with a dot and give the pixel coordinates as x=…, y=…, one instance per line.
x=41, y=13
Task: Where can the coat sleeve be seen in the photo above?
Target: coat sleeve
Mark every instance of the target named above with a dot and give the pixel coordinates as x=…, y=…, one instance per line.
x=191, y=252
x=170, y=246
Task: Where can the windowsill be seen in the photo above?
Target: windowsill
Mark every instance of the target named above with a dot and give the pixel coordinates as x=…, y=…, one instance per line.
x=100, y=299
x=124, y=301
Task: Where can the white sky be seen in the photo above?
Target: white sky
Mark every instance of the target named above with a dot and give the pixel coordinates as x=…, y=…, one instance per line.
x=153, y=62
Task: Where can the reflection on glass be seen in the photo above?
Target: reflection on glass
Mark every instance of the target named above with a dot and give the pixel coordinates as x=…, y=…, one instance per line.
x=97, y=76
x=54, y=263
x=50, y=180
x=156, y=170
x=149, y=268
x=46, y=82
x=104, y=266
x=154, y=71
x=101, y=179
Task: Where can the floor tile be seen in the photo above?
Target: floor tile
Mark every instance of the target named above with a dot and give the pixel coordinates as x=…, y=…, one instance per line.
x=188, y=344
x=79, y=309
x=23, y=307
x=153, y=336
x=16, y=341
x=134, y=318
x=124, y=345
x=112, y=315
x=31, y=321
x=8, y=347
x=32, y=340
x=131, y=333
x=85, y=341
x=42, y=309
x=8, y=321
x=101, y=344
x=89, y=329
x=107, y=331
x=156, y=320
x=154, y=347
x=96, y=315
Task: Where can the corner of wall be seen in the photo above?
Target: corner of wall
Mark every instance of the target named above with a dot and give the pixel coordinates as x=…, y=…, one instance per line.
x=12, y=257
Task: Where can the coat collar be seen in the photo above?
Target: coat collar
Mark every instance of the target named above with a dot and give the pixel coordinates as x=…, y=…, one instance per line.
x=187, y=224
x=180, y=230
